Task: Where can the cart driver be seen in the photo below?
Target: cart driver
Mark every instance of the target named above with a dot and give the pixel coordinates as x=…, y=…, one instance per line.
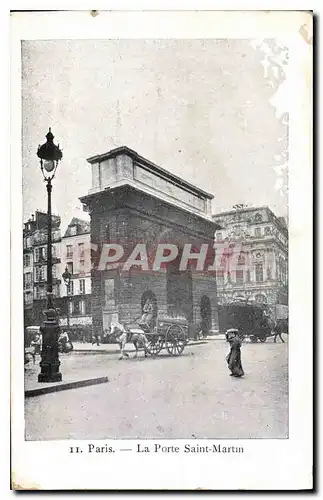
x=145, y=321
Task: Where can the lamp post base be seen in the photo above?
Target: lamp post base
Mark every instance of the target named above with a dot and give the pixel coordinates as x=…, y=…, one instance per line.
x=50, y=377
x=49, y=355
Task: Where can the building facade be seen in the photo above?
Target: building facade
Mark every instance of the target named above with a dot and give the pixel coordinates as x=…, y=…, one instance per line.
x=76, y=258
x=252, y=250
x=72, y=251
x=40, y=258
x=133, y=201
x=28, y=270
x=35, y=264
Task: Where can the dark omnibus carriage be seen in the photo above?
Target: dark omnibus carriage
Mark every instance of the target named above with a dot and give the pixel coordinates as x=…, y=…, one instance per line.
x=249, y=319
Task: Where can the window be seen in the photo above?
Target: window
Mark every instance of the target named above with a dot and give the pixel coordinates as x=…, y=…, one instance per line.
x=53, y=251
x=259, y=272
x=36, y=254
x=239, y=277
x=56, y=290
x=218, y=236
x=26, y=260
x=267, y=230
x=70, y=289
x=69, y=251
x=70, y=267
x=79, y=307
x=28, y=298
x=81, y=250
x=81, y=268
x=73, y=230
x=258, y=232
x=28, y=281
x=241, y=258
x=82, y=286
x=40, y=293
x=28, y=242
x=43, y=253
x=54, y=272
x=55, y=235
x=40, y=273
x=258, y=217
x=248, y=276
x=109, y=292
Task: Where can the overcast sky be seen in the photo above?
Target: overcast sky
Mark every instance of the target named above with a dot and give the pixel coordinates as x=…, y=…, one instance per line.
x=200, y=109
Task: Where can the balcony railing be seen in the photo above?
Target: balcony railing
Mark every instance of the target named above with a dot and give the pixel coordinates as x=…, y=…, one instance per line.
x=40, y=279
x=39, y=239
x=43, y=260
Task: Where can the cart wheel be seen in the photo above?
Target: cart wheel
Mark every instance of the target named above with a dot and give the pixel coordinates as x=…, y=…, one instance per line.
x=253, y=339
x=154, y=345
x=175, y=340
x=262, y=339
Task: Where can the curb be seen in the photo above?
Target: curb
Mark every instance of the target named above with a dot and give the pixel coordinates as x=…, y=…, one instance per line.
x=65, y=386
x=117, y=351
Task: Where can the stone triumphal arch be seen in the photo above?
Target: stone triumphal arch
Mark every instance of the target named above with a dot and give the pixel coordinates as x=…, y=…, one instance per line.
x=135, y=204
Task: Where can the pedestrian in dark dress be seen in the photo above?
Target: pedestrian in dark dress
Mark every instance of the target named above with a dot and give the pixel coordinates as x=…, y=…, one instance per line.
x=278, y=333
x=234, y=357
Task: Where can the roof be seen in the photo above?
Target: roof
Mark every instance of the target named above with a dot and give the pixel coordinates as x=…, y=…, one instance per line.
x=82, y=226
x=41, y=220
x=161, y=172
x=235, y=210
x=281, y=220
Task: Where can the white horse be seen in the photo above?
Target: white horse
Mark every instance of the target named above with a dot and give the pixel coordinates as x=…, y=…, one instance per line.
x=137, y=337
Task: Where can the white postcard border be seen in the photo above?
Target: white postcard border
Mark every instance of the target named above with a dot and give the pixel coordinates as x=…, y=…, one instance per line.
x=48, y=465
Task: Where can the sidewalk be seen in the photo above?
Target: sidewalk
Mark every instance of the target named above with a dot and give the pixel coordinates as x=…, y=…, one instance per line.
x=75, y=376
x=86, y=347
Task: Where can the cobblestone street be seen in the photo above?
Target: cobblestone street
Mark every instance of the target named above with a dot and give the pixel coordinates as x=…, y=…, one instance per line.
x=191, y=396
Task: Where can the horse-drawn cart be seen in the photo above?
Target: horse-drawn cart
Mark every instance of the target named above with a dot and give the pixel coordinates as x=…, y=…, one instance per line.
x=252, y=321
x=169, y=333
x=248, y=318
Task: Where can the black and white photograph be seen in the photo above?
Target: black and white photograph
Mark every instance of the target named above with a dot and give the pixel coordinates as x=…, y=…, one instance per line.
x=157, y=242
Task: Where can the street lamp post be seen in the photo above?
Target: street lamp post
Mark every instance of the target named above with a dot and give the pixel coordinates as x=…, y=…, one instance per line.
x=67, y=280
x=49, y=155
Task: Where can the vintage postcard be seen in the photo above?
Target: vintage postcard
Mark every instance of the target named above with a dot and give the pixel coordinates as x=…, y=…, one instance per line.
x=161, y=334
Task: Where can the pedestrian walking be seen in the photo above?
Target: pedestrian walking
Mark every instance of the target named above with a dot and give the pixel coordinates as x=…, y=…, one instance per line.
x=96, y=339
x=278, y=333
x=63, y=338
x=37, y=344
x=234, y=357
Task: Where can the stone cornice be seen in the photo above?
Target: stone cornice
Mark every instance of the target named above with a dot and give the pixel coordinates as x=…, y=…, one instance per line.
x=152, y=167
